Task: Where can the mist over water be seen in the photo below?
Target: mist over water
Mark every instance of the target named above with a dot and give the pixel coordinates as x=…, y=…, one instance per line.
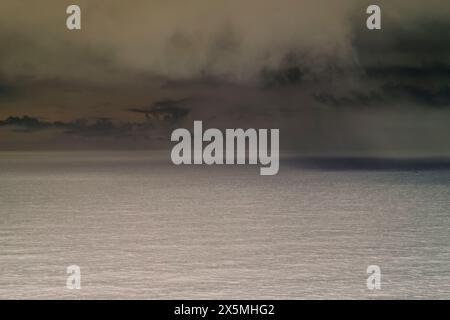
x=140, y=227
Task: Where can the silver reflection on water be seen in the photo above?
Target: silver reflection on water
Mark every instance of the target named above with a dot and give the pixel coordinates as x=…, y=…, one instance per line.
x=140, y=227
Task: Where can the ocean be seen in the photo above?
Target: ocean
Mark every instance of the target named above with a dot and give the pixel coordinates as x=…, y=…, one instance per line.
x=140, y=227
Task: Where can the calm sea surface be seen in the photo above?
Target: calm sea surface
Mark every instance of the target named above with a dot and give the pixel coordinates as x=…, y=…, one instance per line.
x=139, y=227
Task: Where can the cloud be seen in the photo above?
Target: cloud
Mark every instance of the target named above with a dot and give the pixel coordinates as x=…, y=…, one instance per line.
x=164, y=110
x=275, y=42
x=353, y=99
x=418, y=95
x=436, y=70
x=162, y=113
x=247, y=63
x=7, y=91
x=97, y=127
x=81, y=127
x=390, y=94
x=25, y=124
x=287, y=76
x=232, y=40
x=408, y=41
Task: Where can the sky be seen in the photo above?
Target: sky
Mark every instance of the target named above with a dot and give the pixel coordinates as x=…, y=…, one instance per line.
x=138, y=70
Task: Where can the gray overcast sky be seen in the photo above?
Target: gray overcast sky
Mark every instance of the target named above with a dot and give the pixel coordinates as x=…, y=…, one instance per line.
x=310, y=68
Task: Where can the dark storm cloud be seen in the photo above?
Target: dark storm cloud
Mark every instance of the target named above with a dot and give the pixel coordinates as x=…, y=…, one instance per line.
x=164, y=110
x=7, y=90
x=436, y=70
x=80, y=127
x=25, y=124
x=161, y=113
x=97, y=127
x=423, y=37
x=418, y=95
x=407, y=63
x=410, y=48
x=352, y=99
x=390, y=94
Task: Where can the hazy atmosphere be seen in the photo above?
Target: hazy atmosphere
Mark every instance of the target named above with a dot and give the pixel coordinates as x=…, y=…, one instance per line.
x=358, y=175
x=310, y=68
